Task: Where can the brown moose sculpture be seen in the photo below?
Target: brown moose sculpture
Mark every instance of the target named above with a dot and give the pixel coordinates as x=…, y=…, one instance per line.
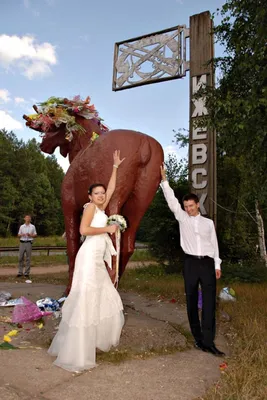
x=91, y=162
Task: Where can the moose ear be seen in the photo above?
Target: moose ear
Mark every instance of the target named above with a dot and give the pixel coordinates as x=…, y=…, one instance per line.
x=65, y=148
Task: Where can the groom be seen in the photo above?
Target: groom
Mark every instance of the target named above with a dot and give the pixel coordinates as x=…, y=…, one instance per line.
x=201, y=265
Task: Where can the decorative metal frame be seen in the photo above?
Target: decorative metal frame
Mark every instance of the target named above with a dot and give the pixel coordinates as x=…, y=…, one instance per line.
x=156, y=57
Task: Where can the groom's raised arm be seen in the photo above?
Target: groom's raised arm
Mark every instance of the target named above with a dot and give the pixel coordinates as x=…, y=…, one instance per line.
x=172, y=201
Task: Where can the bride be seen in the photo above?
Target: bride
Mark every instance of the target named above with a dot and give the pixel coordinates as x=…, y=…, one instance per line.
x=92, y=315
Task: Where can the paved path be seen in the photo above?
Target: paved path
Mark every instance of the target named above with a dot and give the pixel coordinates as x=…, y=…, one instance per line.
x=29, y=374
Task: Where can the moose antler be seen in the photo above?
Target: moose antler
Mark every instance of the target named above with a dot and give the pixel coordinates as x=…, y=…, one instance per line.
x=26, y=118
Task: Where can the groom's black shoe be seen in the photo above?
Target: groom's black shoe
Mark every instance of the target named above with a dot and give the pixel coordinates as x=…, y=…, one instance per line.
x=213, y=350
x=199, y=345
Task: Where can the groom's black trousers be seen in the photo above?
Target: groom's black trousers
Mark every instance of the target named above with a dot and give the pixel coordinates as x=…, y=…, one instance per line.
x=201, y=271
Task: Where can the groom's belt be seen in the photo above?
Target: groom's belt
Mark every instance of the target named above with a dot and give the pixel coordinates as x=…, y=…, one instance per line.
x=25, y=241
x=196, y=257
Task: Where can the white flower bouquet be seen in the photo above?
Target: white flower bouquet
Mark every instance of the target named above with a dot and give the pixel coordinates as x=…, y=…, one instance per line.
x=119, y=220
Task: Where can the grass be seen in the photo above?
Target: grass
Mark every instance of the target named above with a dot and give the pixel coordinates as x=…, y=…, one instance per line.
x=142, y=255
x=117, y=356
x=40, y=260
x=152, y=281
x=38, y=241
x=246, y=375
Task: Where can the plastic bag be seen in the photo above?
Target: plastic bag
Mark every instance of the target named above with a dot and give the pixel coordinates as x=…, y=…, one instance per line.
x=227, y=294
x=48, y=304
x=11, y=303
x=199, y=302
x=26, y=312
x=4, y=296
x=61, y=300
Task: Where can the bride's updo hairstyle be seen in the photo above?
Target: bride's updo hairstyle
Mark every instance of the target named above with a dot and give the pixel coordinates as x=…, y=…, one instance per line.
x=91, y=188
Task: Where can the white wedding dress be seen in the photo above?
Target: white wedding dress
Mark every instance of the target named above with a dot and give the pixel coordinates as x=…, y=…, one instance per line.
x=92, y=315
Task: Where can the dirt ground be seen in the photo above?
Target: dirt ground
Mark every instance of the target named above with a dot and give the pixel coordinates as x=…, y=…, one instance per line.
x=151, y=371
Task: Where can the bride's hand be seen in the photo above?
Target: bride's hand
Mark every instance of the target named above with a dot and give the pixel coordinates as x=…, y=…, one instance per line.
x=112, y=229
x=116, y=158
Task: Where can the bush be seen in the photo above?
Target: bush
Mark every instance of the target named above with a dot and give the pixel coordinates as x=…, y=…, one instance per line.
x=251, y=271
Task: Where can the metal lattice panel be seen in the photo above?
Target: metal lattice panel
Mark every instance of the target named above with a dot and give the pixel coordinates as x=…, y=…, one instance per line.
x=152, y=58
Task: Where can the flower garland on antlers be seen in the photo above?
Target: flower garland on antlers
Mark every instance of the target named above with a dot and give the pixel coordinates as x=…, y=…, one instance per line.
x=56, y=111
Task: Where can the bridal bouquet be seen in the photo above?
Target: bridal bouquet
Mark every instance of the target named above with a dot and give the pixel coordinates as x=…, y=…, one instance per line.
x=119, y=220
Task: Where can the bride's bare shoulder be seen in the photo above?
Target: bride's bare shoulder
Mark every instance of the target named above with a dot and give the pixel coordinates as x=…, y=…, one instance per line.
x=89, y=206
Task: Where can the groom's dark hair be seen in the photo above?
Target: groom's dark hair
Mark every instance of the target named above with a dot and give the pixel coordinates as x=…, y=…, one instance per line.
x=91, y=188
x=191, y=196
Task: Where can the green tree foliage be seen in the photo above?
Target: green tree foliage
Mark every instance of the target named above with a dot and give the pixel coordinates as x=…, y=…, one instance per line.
x=29, y=183
x=238, y=110
x=238, y=105
x=159, y=227
x=236, y=224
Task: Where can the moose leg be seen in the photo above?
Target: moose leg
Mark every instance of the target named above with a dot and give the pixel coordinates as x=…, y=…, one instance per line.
x=133, y=211
x=72, y=223
x=137, y=204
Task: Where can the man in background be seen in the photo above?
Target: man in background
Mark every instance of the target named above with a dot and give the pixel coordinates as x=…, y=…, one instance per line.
x=26, y=234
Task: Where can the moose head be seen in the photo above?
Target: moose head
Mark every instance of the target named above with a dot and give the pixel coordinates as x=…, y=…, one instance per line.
x=67, y=124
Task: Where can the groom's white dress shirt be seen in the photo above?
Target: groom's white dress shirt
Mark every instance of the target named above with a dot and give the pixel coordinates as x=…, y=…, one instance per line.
x=197, y=234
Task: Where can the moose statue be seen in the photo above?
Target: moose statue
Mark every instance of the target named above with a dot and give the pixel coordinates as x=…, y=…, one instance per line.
x=74, y=127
